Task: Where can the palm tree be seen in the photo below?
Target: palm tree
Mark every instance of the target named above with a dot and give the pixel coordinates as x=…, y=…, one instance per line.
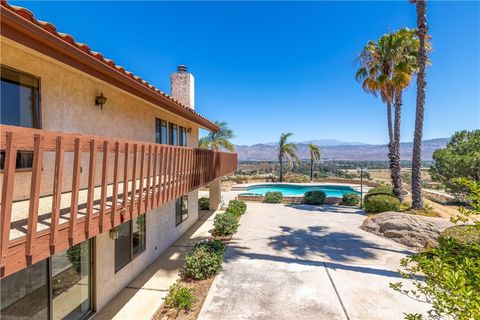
x=384, y=71
x=422, y=60
x=286, y=151
x=218, y=140
x=314, y=156
x=407, y=47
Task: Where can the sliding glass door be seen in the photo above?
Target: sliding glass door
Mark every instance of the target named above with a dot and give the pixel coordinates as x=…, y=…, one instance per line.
x=55, y=288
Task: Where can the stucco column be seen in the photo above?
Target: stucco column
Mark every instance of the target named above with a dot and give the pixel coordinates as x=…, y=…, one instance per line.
x=215, y=194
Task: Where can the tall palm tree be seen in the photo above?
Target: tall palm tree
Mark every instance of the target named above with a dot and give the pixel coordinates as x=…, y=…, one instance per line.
x=406, y=45
x=385, y=70
x=421, y=8
x=286, y=151
x=219, y=140
x=314, y=156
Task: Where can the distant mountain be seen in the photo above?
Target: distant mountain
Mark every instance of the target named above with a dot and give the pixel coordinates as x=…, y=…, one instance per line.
x=338, y=150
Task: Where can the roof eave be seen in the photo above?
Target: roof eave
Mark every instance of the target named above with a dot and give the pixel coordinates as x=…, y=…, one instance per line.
x=30, y=35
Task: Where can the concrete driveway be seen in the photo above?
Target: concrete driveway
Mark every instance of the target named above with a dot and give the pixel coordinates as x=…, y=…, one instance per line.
x=307, y=262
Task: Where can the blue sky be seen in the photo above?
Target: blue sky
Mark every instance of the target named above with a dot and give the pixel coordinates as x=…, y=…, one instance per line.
x=272, y=67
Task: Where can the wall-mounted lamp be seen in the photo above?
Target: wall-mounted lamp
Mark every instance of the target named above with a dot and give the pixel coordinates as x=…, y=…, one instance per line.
x=100, y=100
x=189, y=130
x=114, y=234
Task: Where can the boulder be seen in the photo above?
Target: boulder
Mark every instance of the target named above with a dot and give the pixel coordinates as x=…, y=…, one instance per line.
x=410, y=230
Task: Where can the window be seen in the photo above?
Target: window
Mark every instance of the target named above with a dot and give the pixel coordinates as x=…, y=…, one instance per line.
x=173, y=134
x=56, y=288
x=183, y=136
x=181, y=209
x=20, y=107
x=131, y=241
x=160, y=131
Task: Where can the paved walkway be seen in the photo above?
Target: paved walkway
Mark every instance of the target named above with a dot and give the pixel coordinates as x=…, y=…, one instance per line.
x=144, y=295
x=305, y=262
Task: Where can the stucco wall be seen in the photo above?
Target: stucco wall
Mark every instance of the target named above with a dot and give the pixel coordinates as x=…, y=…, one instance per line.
x=67, y=103
x=161, y=233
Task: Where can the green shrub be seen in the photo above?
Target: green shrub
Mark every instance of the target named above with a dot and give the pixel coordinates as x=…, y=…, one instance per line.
x=462, y=235
x=180, y=298
x=315, y=197
x=273, y=197
x=350, y=199
x=204, y=203
x=238, y=205
x=380, y=203
x=225, y=224
x=381, y=189
x=204, y=261
x=450, y=280
x=214, y=246
x=296, y=178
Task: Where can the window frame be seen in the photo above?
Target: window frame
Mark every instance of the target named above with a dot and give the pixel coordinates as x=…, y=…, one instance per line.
x=131, y=253
x=172, y=134
x=182, y=212
x=182, y=136
x=159, y=124
x=37, y=112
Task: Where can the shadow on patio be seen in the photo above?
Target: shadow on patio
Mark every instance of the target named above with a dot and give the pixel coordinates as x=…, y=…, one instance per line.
x=316, y=246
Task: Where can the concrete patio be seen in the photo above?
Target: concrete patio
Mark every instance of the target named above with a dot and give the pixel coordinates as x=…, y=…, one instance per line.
x=307, y=262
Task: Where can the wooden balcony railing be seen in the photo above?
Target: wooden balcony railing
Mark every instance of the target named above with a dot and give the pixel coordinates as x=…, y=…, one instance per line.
x=80, y=186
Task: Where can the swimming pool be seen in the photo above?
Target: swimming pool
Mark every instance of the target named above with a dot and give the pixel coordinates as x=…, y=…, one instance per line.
x=299, y=190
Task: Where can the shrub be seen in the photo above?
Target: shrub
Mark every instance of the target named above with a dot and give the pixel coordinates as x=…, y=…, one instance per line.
x=462, y=235
x=380, y=203
x=225, y=224
x=239, y=205
x=204, y=261
x=204, y=203
x=273, y=197
x=450, y=280
x=350, y=199
x=214, y=246
x=297, y=178
x=381, y=189
x=315, y=197
x=180, y=298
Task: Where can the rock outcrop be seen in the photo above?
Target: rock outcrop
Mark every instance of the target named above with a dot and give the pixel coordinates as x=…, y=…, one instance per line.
x=408, y=229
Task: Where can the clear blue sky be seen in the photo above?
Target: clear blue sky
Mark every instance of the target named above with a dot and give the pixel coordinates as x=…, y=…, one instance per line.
x=273, y=67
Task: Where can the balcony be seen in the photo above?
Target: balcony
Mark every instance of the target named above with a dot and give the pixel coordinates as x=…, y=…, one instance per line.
x=80, y=186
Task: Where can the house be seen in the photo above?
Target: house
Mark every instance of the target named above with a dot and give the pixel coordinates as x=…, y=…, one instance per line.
x=99, y=171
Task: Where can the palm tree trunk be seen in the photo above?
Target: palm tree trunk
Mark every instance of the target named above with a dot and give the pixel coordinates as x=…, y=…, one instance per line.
x=389, y=122
x=311, y=169
x=395, y=149
x=280, y=159
x=417, y=202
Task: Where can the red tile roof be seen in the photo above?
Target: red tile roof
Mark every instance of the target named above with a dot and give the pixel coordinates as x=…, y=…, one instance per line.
x=50, y=28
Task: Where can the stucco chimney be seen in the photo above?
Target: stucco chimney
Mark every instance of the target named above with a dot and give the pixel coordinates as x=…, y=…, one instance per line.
x=183, y=86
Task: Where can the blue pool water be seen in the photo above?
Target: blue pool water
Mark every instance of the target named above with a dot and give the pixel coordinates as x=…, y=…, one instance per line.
x=297, y=190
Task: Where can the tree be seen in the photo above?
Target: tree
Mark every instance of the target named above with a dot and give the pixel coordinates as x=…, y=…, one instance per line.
x=286, y=151
x=314, y=156
x=422, y=29
x=386, y=70
x=459, y=159
x=217, y=140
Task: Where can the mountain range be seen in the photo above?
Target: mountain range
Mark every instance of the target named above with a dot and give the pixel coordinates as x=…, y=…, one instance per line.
x=339, y=150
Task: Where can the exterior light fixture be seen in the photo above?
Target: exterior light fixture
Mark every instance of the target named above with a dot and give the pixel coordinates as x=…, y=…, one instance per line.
x=114, y=234
x=189, y=130
x=100, y=100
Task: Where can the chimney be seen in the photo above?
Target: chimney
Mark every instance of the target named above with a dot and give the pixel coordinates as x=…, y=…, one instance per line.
x=182, y=86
